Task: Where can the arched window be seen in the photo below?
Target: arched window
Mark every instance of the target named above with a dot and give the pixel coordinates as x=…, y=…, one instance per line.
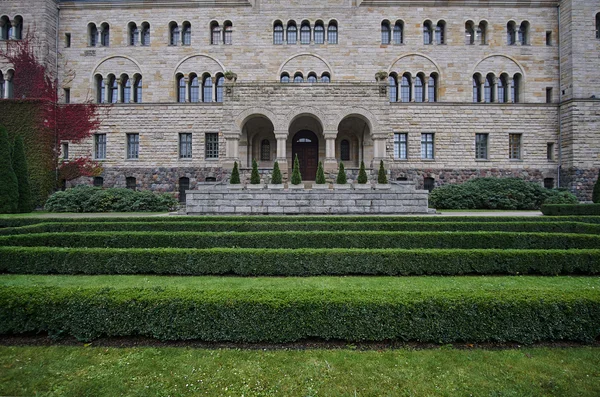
x=265, y=150
x=524, y=33
x=398, y=32
x=393, y=87
x=130, y=183
x=105, y=35
x=385, y=32
x=476, y=88
x=207, y=88
x=18, y=28
x=516, y=88
x=319, y=33
x=305, y=33
x=215, y=33
x=194, y=88
x=278, y=33
x=332, y=32
x=482, y=33
x=100, y=89
x=345, y=150
x=440, y=33
x=228, y=33
x=598, y=25
x=488, y=88
x=298, y=78
x=292, y=33
x=92, y=35
x=125, y=89
x=405, y=88
x=325, y=78
x=312, y=78
x=174, y=33
x=186, y=37
x=511, y=33
x=219, y=91
x=180, y=88
x=428, y=183
x=145, y=38
x=2, y=85
x=469, y=33
x=419, y=92
x=137, y=89
x=432, y=88
x=4, y=26
x=502, y=97
x=285, y=78
x=134, y=33
x=113, y=93
x=427, y=33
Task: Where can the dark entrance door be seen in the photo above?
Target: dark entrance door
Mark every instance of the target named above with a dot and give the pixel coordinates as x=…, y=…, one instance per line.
x=306, y=145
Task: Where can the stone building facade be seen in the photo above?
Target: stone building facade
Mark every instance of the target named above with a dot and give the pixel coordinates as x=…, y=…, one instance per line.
x=441, y=91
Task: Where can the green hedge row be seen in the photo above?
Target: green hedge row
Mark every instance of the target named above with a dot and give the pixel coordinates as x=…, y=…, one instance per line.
x=17, y=222
x=301, y=262
x=367, y=314
x=548, y=227
x=569, y=210
x=463, y=240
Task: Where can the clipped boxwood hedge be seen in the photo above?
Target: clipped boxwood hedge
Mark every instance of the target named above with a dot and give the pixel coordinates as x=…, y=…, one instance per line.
x=569, y=210
x=259, y=315
x=463, y=240
x=300, y=262
x=549, y=227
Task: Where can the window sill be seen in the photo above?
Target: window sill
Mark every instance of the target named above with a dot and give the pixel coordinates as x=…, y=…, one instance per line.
x=215, y=159
x=134, y=160
x=428, y=160
x=515, y=160
x=483, y=160
x=186, y=158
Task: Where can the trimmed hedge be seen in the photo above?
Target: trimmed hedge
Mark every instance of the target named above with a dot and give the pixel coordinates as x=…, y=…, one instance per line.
x=523, y=315
x=300, y=262
x=548, y=227
x=16, y=222
x=568, y=210
x=315, y=239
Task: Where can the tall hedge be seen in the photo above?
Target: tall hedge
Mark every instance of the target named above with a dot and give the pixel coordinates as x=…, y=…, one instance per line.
x=320, y=179
x=9, y=187
x=21, y=171
x=254, y=176
x=381, y=176
x=341, y=176
x=362, y=174
x=276, y=179
x=296, y=177
x=596, y=191
x=235, y=175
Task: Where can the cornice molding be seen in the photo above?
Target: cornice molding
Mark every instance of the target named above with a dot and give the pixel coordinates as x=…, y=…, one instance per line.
x=459, y=3
x=100, y=4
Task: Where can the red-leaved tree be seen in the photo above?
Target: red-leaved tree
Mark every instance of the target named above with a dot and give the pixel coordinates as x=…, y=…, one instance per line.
x=33, y=82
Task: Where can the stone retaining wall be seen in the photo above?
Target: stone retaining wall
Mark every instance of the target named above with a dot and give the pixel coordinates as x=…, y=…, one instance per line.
x=400, y=198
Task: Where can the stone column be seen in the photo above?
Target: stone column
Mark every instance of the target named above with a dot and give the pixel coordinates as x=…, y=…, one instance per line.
x=231, y=150
x=186, y=81
x=119, y=90
x=379, y=154
x=7, y=84
x=330, y=163
x=495, y=90
x=509, y=86
x=107, y=90
x=481, y=91
x=214, y=89
x=412, y=90
x=426, y=88
x=13, y=32
x=281, y=137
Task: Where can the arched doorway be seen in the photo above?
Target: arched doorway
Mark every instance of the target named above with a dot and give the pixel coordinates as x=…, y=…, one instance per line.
x=306, y=145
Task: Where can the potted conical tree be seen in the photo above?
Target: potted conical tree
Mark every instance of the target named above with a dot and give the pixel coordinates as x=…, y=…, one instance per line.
x=363, y=180
x=382, y=181
x=341, y=181
x=255, y=177
x=276, y=179
x=296, y=181
x=320, y=182
x=234, y=181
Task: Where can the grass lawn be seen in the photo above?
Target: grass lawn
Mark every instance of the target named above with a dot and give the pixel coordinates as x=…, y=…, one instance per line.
x=102, y=371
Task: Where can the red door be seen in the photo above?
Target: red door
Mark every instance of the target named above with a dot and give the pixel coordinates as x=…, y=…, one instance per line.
x=306, y=145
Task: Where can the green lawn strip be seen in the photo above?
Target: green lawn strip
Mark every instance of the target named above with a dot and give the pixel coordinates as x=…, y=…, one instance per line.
x=315, y=239
x=97, y=371
x=258, y=226
x=295, y=262
x=427, y=309
x=17, y=221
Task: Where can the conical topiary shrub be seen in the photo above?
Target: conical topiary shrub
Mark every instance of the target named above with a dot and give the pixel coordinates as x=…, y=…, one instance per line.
x=9, y=191
x=381, y=177
x=596, y=191
x=235, y=175
x=362, y=174
x=296, y=177
x=277, y=179
x=320, y=179
x=20, y=167
x=254, y=176
x=341, y=177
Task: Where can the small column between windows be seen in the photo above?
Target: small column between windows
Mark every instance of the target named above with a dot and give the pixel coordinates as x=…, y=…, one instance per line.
x=13, y=32
x=495, y=90
x=412, y=89
x=186, y=80
x=426, y=89
x=509, y=87
x=107, y=91
x=119, y=90
x=481, y=86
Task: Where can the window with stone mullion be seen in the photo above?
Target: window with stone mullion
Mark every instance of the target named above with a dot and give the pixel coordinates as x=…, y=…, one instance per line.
x=100, y=146
x=185, y=146
x=133, y=146
x=211, y=146
x=427, y=146
x=481, y=146
x=400, y=146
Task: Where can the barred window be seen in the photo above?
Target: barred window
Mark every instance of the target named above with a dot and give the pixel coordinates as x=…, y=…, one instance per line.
x=502, y=89
x=278, y=33
x=285, y=78
x=180, y=89
x=549, y=183
x=488, y=89
x=292, y=33
x=174, y=33
x=187, y=34
x=133, y=33
x=114, y=90
x=514, y=146
x=220, y=83
x=393, y=87
x=481, y=146
x=385, y=32
x=207, y=89
x=401, y=146
x=265, y=150
x=185, y=146
x=145, y=39
x=432, y=88
x=137, y=90
x=194, y=89
x=440, y=33
x=428, y=183
x=312, y=78
x=399, y=32
x=405, y=89
x=427, y=33
x=105, y=35
x=216, y=33
x=325, y=78
x=92, y=35
x=419, y=92
x=427, y=146
x=211, y=148
x=133, y=146
x=319, y=33
x=131, y=183
x=345, y=150
x=305, y=33
x=126, y=87
x=511, y=33
x=100, y=146
x=332, y=33
x=228, y=33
